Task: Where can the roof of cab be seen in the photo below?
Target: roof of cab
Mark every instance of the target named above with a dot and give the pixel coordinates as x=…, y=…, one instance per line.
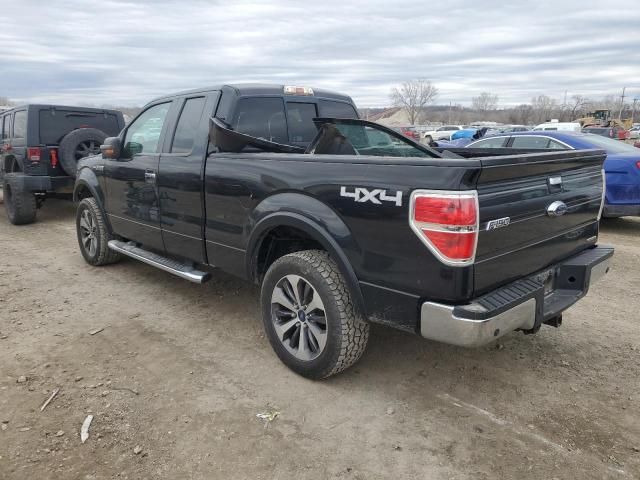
x=256, y=89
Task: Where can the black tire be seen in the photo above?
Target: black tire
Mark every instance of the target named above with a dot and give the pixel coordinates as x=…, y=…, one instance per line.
x=78, y=144
x=346, y=332
x=19, y=204
x=101, y=254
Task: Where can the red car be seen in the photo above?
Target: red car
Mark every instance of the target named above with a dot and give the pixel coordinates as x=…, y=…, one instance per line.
x=410, y=132
x=618, y=133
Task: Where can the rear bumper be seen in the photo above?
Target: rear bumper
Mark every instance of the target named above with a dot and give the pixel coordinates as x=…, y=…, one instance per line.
x=43, y=183
x=521, y=305
x=612, y=210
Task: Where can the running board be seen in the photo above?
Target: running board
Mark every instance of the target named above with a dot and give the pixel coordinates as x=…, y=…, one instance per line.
x=182, y=270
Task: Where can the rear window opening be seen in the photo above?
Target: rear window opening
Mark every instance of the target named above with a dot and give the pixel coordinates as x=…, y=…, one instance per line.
x=55, y=123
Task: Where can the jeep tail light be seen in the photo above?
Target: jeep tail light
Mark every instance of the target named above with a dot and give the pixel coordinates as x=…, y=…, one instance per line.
x=33, y=154
x=447, y=223
x=53, y=155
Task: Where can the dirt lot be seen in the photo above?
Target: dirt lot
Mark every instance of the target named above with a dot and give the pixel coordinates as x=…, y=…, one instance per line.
x=182, y=370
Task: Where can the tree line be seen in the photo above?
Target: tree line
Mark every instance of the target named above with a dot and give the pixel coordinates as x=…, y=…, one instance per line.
x=417, y=97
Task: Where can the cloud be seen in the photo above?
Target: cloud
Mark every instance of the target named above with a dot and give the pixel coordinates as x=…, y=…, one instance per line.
x=128, y=52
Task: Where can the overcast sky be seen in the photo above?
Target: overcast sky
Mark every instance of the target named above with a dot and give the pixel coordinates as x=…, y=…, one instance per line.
x=126, y=53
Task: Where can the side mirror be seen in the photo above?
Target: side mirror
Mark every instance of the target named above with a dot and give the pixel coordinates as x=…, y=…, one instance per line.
x=111, y=148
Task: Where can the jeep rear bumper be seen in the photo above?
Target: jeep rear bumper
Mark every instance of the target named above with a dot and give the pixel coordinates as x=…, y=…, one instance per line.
x=43, y=183
x=522, y=305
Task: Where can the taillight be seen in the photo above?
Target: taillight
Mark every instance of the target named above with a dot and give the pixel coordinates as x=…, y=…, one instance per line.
x=53, y=155
x=447, y=223
x=34, y=154
x=638, y=164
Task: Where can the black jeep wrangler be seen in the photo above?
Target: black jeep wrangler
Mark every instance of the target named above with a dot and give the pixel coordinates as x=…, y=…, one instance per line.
x=40, y=146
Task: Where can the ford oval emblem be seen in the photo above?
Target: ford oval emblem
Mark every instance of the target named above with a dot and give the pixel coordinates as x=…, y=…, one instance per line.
x=557, y=209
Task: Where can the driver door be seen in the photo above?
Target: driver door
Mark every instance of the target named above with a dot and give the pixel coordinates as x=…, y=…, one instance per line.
x=131, y=190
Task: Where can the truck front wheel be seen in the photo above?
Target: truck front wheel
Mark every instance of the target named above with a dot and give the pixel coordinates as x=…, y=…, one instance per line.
x=19, y=204
x=93, y=234
x=309, y=316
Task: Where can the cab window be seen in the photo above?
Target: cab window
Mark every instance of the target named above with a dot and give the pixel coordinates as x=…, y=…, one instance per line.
x=300, y=120
x=530, y=142
x=261, y=117
x=188, y=124
x=331, y=109
x=143, y=135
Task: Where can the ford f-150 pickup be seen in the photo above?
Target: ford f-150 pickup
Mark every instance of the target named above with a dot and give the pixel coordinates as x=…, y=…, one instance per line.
x=344, y=222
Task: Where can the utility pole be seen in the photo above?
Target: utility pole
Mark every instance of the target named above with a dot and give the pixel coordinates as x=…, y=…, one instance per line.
x=622, y=97
x=633, y=110
x=449, y=116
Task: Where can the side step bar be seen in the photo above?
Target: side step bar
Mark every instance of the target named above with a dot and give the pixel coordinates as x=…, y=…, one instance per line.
x=182, y=270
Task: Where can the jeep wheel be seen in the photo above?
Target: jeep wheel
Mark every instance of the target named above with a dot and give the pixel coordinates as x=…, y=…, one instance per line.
x=309, y=317
x=93, y=234
x=19, y=204
x=78, y=144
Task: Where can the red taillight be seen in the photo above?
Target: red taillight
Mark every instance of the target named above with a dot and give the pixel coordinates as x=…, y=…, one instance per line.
x=34, y=154
x=638, y=164
x=447, y=223
x=53, y=155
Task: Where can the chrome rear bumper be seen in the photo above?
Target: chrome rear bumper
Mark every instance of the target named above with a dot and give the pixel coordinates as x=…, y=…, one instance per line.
x=521, y=305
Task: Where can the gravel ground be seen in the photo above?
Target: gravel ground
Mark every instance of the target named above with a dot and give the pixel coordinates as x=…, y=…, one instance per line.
x=178, y=373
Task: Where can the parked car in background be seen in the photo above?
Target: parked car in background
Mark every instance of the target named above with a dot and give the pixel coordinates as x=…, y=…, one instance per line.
x=634, y=133
x=618, y=133
x=40, y=146
x=560, y=126
x=622, y=165
x=410, y=132
x=441, y=133
x=637, y=144
x=513, y=128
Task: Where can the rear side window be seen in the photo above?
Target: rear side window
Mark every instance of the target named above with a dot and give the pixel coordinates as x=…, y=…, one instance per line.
x=20, y=125
x=497, y=142
x=188, y=125
x=55, y=123
x=531, y=142
x=261, y=117
x=4, y=127
x=330, y=109
x=300, y=118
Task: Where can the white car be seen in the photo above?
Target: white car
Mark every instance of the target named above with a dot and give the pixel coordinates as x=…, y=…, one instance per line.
x=441, y=133
x=560, y=126
x=634, y=133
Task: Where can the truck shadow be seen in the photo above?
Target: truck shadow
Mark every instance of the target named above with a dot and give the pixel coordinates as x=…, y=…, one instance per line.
x=623, y=225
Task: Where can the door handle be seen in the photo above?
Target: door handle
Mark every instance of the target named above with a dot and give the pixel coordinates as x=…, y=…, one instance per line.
x=150, y=177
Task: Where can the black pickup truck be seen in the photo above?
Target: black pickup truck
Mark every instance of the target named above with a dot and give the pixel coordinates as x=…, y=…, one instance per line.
x=342, y=221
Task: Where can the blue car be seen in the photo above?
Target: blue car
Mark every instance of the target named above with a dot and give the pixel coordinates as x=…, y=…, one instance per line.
x=622, y=166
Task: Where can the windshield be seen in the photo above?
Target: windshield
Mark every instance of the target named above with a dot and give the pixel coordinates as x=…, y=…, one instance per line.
x=610, y=145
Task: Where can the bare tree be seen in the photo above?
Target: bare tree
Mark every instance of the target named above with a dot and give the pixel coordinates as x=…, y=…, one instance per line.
x=521, y=114
x=577, y=106
x=485, y=102
x=543, y=107
x=413, y=96
x=6, y=102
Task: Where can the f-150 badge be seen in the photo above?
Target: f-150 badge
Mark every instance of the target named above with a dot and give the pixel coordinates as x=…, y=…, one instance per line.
x=498, y=223
x=376, y=196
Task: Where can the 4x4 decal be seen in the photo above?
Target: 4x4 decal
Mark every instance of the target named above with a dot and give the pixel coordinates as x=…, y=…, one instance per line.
x=376, y=196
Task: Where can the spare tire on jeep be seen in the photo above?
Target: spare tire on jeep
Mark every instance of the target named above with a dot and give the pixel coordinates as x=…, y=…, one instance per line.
x=78, y=144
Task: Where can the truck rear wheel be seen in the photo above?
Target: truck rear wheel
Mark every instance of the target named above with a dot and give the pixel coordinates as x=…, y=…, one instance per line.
x=19, y=204
x=93, y=234
x=78, y=144
x=309, y=317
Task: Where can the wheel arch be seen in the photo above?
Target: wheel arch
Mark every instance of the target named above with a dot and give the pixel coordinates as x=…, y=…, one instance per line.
x=87, y=185
x=315, y=231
